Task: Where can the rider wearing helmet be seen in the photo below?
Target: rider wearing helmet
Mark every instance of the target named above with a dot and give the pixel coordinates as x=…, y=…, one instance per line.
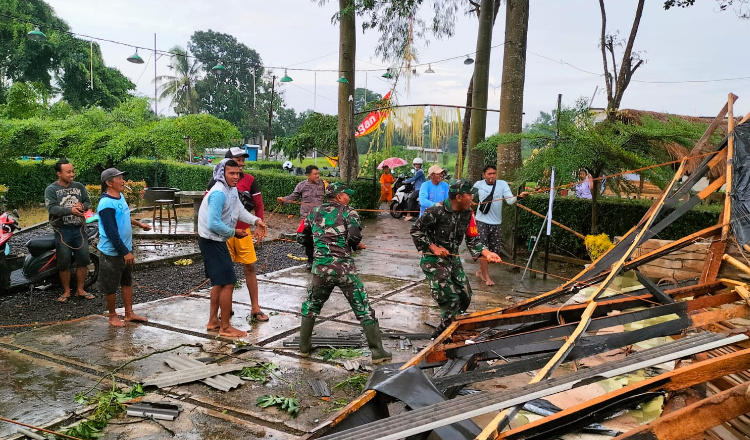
x=412, y=203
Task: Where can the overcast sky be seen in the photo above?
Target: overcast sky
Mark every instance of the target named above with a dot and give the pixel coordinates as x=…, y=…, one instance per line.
x=687, y=51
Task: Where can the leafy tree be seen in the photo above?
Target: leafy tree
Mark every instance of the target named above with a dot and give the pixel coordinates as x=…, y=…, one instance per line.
x=62, y=63
x=24, y=100
x=605, y=148
x=110, y=87
x=180, y=87
x=365, y=99
x=228, y=94
x=319, y=132
x=22, y=59
x=287, y=121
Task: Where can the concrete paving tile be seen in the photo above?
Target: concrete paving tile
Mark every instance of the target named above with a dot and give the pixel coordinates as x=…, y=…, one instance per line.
x=97, y=345
x=420, y=295
x=295, y=276
x=293, y=372
x=274, y=296
x=191, y=314
x=194, y=422
x=401, y=317
x=377, y=285
x=37, y=392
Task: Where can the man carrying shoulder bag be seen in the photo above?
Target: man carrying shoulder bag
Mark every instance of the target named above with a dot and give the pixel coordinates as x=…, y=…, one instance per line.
x=492, y=192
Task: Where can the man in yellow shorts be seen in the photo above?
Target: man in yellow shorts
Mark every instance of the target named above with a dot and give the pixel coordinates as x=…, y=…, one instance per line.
x=242, y=250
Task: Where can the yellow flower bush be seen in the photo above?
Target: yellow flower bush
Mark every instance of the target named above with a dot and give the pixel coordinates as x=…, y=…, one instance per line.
x=597, y=245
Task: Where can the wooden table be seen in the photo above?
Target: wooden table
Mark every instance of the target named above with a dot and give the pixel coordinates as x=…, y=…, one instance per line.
x=197, y=198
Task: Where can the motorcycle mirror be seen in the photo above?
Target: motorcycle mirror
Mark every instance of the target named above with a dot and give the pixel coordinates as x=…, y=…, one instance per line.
x=15, y=213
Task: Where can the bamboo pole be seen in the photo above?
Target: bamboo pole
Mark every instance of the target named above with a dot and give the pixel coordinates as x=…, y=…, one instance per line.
x=730, y=157
x=554, y=222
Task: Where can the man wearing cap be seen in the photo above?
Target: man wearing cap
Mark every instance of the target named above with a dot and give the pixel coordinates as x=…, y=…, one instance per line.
x=310, y=194
x=66, y=201
x=217, y=221
x=242, y=250
x=438, y=234
x=434, y=190
x=335, y=229
x=116, y=246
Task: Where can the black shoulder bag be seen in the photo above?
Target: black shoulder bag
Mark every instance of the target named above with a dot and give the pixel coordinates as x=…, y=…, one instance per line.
x=484, y=208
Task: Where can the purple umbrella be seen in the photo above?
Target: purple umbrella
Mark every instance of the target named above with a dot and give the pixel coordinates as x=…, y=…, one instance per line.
x=392, y=162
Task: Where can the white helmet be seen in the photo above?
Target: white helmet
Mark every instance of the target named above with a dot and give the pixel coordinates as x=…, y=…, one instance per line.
x=288, y=165
x=416, y=160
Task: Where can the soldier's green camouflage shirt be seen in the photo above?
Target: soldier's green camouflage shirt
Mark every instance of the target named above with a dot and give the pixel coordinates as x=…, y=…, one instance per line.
x=336, y=231
x=444, y=227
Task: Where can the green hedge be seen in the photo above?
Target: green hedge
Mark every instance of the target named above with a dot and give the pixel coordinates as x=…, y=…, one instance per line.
x=615, y=217
x=27, y=180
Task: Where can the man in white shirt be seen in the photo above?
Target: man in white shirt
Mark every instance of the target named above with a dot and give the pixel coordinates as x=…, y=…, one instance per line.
x=489, y=213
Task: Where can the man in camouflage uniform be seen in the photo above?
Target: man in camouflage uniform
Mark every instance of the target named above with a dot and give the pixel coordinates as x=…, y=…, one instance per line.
x=335, y=230
x=438, y=234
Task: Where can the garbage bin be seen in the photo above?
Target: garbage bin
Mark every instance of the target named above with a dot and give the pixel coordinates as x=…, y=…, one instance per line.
x=159, y=193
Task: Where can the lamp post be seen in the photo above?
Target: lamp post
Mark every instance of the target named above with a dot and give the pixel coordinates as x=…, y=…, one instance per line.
x=270, y=116
x=136, y=59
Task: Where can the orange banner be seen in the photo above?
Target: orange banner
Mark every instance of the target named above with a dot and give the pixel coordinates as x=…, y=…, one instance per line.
x=372, y=120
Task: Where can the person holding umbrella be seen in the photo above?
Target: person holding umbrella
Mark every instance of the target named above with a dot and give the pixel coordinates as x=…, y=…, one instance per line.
x=386, y=185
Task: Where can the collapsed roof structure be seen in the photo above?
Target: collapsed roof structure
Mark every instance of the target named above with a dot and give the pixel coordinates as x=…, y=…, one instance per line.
x=535, y=338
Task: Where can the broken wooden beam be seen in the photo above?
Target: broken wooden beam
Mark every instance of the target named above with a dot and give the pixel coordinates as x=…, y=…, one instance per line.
x=597, y=408
x=696, y=418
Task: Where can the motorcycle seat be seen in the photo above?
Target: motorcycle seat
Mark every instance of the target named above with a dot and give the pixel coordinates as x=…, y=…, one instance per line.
x=40, y=245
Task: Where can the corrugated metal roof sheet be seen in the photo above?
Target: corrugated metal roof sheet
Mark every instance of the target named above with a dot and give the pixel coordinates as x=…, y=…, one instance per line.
x=223, y=382
x=191, y=375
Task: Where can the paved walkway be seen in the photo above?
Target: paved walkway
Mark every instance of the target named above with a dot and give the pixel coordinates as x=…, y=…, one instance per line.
x=43, y=369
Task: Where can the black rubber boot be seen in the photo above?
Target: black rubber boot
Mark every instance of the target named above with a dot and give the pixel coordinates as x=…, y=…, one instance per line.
x=305, y=335
x=374, y=342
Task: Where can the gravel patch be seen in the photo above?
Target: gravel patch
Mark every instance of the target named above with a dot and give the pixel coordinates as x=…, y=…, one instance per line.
x=151, y=283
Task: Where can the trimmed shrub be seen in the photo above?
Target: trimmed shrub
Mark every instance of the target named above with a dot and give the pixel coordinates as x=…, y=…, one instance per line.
x=27, y=181
x=615, y=217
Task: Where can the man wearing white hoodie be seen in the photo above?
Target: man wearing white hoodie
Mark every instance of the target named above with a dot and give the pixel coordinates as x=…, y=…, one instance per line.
x=217, y=222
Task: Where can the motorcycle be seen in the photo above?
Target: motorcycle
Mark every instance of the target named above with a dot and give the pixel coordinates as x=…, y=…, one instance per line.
x=39, y=266
x=401, y=193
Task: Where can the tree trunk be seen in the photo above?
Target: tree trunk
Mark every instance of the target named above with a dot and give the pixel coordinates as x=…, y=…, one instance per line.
x=480, y=89
x=466, y=124
x=348, y=158
x=511, y=93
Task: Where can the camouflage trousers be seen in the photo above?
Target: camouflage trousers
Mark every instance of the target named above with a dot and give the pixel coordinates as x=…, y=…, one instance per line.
x=448, y=284
x=325, y=278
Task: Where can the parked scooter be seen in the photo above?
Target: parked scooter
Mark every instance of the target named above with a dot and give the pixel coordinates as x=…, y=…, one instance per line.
x=39, y=267
x=401, y=193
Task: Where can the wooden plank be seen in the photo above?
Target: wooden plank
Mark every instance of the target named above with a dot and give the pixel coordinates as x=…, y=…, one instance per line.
x=697, y=418
x=554, y=222
x=730, y=158
x=678, y=379
x=718, y=120
x=744, y=293
x=713, y=258
x=723, y=314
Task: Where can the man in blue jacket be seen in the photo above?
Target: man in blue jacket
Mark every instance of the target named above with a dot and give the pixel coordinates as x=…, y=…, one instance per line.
x=116, y=246
x=434, y=190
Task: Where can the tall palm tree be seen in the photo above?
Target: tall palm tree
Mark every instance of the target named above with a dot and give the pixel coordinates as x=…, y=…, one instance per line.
x=180, y=87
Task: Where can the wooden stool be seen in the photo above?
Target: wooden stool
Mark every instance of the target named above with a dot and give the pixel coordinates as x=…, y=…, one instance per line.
x=161, y=204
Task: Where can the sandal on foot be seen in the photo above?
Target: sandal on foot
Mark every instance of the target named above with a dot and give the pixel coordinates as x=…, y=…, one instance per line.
x=260, y=316
x=86, y=296
x=63, y=298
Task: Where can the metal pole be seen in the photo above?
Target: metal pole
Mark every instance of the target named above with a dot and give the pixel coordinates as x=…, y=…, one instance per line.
x=557, y=120
x=270, y=116
x=92, y=63
x=253, y=88
x=315, y=92
x=549, y=218
x=515, y=226
x=351, y=141
x=156, y=113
